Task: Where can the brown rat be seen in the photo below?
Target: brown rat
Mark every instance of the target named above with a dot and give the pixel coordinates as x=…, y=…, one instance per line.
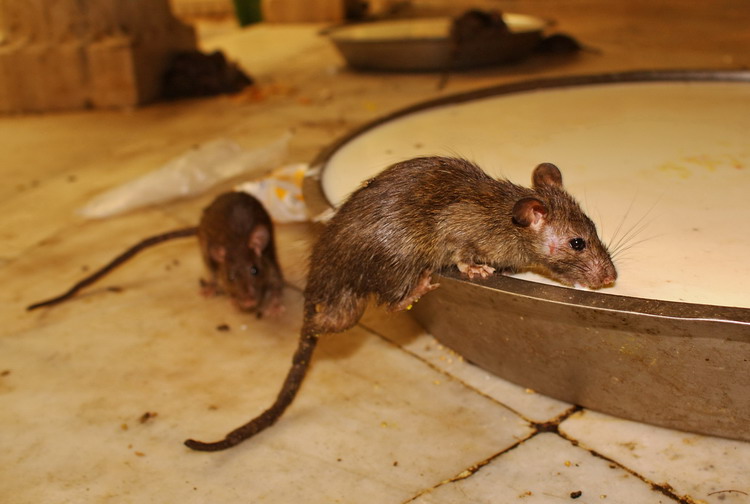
x=238, y=247
x=417, y=217
x=236, y=239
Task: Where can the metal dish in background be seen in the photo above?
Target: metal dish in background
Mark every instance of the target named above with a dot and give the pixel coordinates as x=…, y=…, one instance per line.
x=674, y=364
x=424, y=44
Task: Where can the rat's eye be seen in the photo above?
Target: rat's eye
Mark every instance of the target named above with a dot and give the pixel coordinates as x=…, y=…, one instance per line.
x=253, y=270
x=577, y=244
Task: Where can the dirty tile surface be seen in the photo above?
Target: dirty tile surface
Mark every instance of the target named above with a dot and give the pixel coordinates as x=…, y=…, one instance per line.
x=98, y=394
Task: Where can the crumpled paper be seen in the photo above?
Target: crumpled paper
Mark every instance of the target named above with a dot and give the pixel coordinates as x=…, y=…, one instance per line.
x=281, y=193
x=189, y=174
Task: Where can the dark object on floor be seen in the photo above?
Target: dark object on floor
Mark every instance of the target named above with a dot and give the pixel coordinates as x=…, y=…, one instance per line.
x=559, y=43
x=194, y=74
x=475, y=24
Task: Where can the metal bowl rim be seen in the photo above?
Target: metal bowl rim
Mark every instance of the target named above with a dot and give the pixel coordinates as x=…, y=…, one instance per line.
x=318, y=203
x=337, y=33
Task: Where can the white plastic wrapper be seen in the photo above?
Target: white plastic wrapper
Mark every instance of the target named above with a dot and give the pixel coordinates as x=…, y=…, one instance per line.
x=281, y=193
x=189, y=174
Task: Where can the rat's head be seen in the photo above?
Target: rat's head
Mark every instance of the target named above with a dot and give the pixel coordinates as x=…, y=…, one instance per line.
x=248, y=273
x=565, y=242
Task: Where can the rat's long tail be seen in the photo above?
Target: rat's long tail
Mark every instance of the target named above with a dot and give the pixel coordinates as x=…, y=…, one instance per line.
x=179, y=233
x=292, y=383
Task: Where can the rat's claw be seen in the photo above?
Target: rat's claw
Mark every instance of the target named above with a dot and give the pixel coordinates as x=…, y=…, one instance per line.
x=473, y=270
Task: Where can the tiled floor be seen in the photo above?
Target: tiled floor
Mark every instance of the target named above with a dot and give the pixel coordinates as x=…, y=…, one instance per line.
x=97, y=395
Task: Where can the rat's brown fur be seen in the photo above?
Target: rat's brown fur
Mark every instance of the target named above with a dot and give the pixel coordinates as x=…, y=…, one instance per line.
x=236, y=238
x=417, y=217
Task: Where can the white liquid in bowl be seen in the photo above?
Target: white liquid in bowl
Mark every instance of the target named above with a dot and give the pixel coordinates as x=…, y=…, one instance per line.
x=665, y=164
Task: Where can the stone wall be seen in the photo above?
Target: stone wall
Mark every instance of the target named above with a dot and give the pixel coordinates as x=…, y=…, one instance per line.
x=69, y=54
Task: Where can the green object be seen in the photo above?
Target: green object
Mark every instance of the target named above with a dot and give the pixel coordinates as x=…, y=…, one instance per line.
x=247, y=11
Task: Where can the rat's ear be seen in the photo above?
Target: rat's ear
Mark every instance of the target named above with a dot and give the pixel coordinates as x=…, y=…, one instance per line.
x=259, y=238
x=547, y=174
x=529, y=212
x=217, y=253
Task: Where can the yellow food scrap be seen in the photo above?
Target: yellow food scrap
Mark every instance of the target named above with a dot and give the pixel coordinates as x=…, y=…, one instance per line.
x=704, y=161
x=281, y=192
x=678, y=169
x=686, y=165
x=299, y=176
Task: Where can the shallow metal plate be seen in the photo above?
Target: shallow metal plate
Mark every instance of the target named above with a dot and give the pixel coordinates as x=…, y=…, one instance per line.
x=424, y=44
x=683, y=365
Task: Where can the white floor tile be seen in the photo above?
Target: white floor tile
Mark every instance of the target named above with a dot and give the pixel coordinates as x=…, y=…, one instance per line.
x=702, y=468
x=544, y=469
x=402, y=329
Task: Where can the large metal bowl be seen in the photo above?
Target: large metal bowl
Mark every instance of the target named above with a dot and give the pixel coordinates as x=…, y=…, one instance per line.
x=424, y=44
x=669, y=363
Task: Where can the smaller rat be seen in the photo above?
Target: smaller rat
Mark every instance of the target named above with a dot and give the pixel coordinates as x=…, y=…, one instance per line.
x=415, y=218
x=235, y=234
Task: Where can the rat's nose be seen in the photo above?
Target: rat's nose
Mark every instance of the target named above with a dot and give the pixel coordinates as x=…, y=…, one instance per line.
x=607, y=274
x=601, y=278
x=607, y=279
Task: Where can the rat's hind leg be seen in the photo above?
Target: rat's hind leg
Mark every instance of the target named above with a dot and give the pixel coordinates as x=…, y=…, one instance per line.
x=336, y=316
x=422, y=287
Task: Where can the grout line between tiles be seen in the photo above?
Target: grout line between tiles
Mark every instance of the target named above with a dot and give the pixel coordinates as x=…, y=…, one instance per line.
x=551, y=426
x=471, y=470
x=664, y=488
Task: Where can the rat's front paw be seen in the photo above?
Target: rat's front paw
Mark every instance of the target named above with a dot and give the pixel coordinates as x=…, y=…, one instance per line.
x=474, y=270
